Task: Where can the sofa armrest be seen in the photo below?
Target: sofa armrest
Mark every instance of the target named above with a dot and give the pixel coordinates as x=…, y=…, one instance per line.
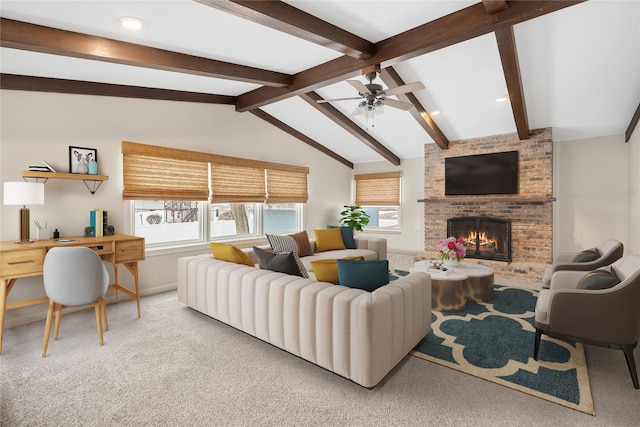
x=566, y=279
x=376, y=244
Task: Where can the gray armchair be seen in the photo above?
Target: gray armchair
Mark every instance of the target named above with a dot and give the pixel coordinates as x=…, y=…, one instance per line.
x=607, y=317
x=608, y=252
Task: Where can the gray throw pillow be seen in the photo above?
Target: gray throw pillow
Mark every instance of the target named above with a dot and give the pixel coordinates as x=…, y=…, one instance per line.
x=587, y=255
x=598, y=279
x=283, y=243
x=282, y=262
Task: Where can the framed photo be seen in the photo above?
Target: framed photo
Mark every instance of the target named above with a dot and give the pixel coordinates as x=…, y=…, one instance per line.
x=79, y=158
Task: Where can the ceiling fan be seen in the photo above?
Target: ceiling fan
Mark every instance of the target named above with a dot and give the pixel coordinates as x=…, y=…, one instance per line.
x=373, y=97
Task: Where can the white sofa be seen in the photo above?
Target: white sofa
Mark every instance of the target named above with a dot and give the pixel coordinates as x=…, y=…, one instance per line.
x=357, y=334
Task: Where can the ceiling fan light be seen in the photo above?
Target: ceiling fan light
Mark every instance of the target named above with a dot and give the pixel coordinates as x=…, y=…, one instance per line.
x=379, y=107
x=370, y=113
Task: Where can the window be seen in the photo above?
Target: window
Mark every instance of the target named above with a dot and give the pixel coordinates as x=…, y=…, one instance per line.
x=379, y=196
x=167, y=222
x=241, y=220
x=170, y=189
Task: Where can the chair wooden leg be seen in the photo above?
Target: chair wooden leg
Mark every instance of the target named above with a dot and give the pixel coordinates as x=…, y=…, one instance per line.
x=631, y=363
x=47, y=329
x=104, y=313
x=58, y=310
x=99, y=320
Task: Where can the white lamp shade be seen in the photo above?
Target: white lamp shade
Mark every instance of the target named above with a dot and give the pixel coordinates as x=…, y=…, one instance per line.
x=23, y=193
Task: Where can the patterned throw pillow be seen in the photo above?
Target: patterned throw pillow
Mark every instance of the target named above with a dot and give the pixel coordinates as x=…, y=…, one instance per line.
x=282, y=243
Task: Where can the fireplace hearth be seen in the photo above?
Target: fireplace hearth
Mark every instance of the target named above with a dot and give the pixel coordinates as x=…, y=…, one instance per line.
x=484, y=237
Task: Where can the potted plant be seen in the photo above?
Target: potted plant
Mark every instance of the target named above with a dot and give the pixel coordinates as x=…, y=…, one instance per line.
x=354, y=216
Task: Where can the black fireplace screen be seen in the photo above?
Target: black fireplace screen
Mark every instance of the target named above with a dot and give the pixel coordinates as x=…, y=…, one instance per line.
x=484, y=238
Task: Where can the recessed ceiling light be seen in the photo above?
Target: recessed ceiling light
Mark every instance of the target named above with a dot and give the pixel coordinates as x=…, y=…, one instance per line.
x=131, y=23
x=502, y=99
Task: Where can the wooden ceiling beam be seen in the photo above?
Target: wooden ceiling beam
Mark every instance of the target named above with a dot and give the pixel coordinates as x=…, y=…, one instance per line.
x=37, y=38
x=494, y=6
x=392, y=79
x=632, y=125
x=77, y=87
x=343, y=121
x=302, y=137
x=451, y=29
x=288, y=19
x=511, y=69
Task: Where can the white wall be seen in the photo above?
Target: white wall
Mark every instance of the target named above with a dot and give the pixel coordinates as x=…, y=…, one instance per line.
x=41, y=126
x=411, y=237
x=592, y=190
x=633, y=244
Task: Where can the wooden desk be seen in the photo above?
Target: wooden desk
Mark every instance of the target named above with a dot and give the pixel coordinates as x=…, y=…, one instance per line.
x=19, y=260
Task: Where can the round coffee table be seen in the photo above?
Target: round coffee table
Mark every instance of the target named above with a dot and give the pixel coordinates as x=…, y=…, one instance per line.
x=459, y=283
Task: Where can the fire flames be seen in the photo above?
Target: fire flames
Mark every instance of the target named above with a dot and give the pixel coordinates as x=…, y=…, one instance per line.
x=485, y=242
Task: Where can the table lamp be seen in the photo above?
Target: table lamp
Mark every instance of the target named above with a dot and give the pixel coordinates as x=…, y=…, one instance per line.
x=24, y=193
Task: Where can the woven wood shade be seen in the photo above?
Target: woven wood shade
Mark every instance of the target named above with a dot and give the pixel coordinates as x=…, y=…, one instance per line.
x=378, y=189
x=159, y=173
x=233, y=184
x=286, y=186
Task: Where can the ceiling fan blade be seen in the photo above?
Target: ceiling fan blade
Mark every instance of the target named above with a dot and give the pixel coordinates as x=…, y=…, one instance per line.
x=411, y=87
x=398, y=104
x=320, y=101
x=360, y=87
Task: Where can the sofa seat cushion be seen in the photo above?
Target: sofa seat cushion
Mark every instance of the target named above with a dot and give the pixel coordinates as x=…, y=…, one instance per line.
x=365, y=253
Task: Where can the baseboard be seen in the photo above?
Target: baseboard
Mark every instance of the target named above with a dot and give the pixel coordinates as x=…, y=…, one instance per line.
x=111, y=299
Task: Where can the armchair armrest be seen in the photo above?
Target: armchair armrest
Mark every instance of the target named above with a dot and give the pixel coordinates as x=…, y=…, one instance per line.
x=601, y=315
x=566, y=279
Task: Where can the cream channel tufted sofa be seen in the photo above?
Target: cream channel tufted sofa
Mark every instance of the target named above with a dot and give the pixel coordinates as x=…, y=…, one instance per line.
x=357, y=334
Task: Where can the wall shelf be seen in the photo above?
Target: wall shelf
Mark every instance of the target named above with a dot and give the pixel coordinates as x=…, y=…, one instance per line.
x=96, y=180
x=489, y=199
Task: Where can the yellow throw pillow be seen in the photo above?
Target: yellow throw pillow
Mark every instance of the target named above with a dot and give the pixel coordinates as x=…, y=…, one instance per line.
x=326, y=270
x=328, y=240
x=226, y=252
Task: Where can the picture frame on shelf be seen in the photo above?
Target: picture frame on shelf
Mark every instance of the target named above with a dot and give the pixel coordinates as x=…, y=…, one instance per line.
x=79, y=158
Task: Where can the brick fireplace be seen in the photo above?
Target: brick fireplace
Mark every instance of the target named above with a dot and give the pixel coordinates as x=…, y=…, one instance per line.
x=530, y=212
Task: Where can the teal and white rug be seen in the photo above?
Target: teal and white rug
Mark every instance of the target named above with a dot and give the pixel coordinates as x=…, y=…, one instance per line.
x=494, y=341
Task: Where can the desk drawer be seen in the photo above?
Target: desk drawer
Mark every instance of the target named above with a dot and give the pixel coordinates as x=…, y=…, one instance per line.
x=132, y=250
x=19, y=263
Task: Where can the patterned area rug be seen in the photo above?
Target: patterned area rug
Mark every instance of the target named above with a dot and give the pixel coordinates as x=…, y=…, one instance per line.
x=494, y=341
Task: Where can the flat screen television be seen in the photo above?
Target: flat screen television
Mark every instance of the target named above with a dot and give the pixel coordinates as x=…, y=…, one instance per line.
x=494, y=173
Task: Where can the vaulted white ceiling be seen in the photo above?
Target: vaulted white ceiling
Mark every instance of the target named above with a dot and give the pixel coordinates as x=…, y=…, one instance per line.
x=579, y=66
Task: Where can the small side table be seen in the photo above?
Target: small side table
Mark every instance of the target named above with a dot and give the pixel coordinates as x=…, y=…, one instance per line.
x=451, y=289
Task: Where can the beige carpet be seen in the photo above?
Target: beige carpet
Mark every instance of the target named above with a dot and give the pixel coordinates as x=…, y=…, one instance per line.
x=176, y=367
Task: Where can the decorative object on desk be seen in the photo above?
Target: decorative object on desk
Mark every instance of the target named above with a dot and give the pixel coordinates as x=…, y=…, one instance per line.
x=56, y=234
x=88, y=232
x=451, y=248
x=93, y=167
x=354, y=216
x=24, y=193
x=110, y=231
x=80, y=157
x=42, y=233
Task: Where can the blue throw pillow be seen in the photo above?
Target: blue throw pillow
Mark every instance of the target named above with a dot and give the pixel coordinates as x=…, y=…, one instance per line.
x=347, y=236
x=368, y=274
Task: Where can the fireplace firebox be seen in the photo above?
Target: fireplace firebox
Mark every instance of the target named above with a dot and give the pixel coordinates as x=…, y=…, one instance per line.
x=484, y=238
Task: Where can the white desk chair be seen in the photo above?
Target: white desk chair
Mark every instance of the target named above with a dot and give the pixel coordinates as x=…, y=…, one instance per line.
x=74, y=276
